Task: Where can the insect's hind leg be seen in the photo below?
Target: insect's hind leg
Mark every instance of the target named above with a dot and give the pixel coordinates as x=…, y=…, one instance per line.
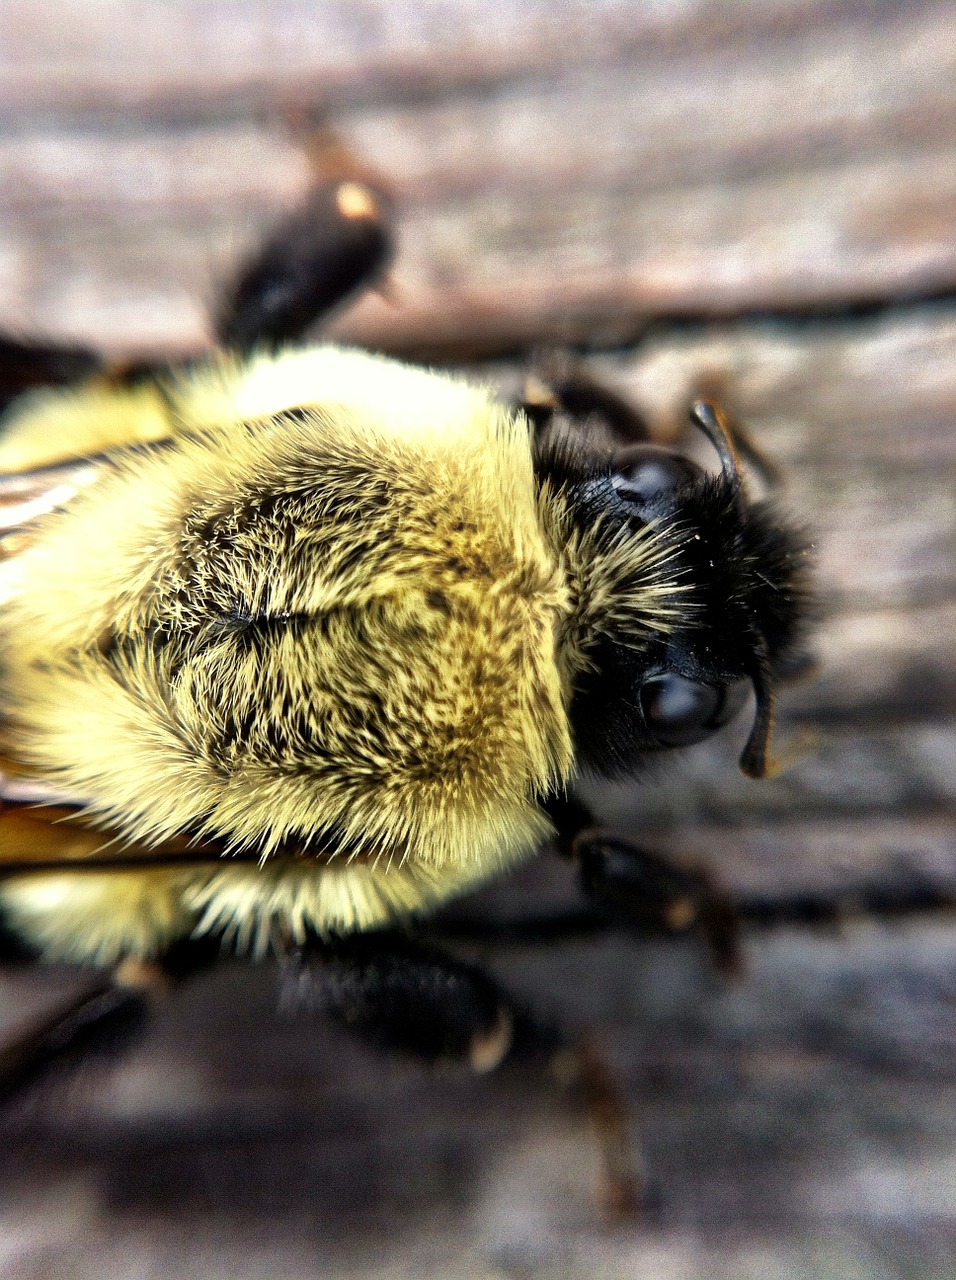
x=100, y=1024
x=402, y=995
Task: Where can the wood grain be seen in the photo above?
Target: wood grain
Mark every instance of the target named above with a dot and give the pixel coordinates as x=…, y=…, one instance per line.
x=556, y=182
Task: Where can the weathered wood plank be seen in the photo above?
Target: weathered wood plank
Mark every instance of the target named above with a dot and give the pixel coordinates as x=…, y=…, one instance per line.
x=860, y=416
x=850, y=769
x=496, y=268
x=819, y=394
x=795, y=1125
x=660, y=167
x=187, y=55
x=892, y=664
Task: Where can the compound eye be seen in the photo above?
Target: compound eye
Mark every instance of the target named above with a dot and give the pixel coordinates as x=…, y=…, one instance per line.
x=679, y=712
x=647, y=475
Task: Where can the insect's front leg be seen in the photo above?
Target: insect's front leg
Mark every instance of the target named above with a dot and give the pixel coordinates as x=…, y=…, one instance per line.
x=564, y=390
x=643, y=889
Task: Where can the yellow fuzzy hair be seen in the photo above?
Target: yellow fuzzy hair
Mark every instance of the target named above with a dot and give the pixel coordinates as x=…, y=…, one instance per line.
x=401, y=706
x=326, y=611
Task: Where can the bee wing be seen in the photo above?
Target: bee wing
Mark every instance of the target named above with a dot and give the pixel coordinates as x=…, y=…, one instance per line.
x=56, y=837
x=43, y=828
x=47, y=837
x=26, y=496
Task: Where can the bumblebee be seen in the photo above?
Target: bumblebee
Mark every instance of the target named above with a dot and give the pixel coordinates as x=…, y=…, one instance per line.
x=300, y=642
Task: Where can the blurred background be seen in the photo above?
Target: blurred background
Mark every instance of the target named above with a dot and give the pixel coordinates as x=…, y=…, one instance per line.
x=758, y=195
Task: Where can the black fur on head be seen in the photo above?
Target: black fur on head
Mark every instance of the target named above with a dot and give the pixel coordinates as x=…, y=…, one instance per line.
x=736, y=621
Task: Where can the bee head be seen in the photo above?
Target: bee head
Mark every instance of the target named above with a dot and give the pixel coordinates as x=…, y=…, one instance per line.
x=687, y=596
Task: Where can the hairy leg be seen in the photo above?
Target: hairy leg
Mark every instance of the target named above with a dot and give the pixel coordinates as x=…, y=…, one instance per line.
x=641, y=889
x=404, y=996
x=337, y=243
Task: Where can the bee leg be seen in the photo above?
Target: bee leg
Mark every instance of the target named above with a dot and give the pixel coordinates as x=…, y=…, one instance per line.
x=102, y=1023
x=14, y=950
x=25, y=366
x=403, y=996
x=650, y=893
x=315, y=258
x=642, y=889
x=564, y=389
x=624, y=1191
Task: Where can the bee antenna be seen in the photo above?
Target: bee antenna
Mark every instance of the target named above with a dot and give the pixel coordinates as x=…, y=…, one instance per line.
x=755, y=759
x=714, y=425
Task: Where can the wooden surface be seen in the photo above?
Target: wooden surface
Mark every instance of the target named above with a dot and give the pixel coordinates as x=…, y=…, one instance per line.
x=696, y=191
x=558, y=176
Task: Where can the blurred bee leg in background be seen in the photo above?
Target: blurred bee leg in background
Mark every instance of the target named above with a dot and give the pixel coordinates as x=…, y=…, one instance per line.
x=402, y=995
x=714, y=387
x=27, y=365
x=100, y=1024
x=562, y=389
x=338, y=242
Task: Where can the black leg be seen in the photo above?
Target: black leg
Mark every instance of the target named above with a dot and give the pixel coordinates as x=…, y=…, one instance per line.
x=654, y=895
x=99, y=1025
x=26, y=365
x=401, y=995
x=563, y=388
x=644, y=890
x=13, y=949
x=321, y=254
x=750, y=452
x=715, y=388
